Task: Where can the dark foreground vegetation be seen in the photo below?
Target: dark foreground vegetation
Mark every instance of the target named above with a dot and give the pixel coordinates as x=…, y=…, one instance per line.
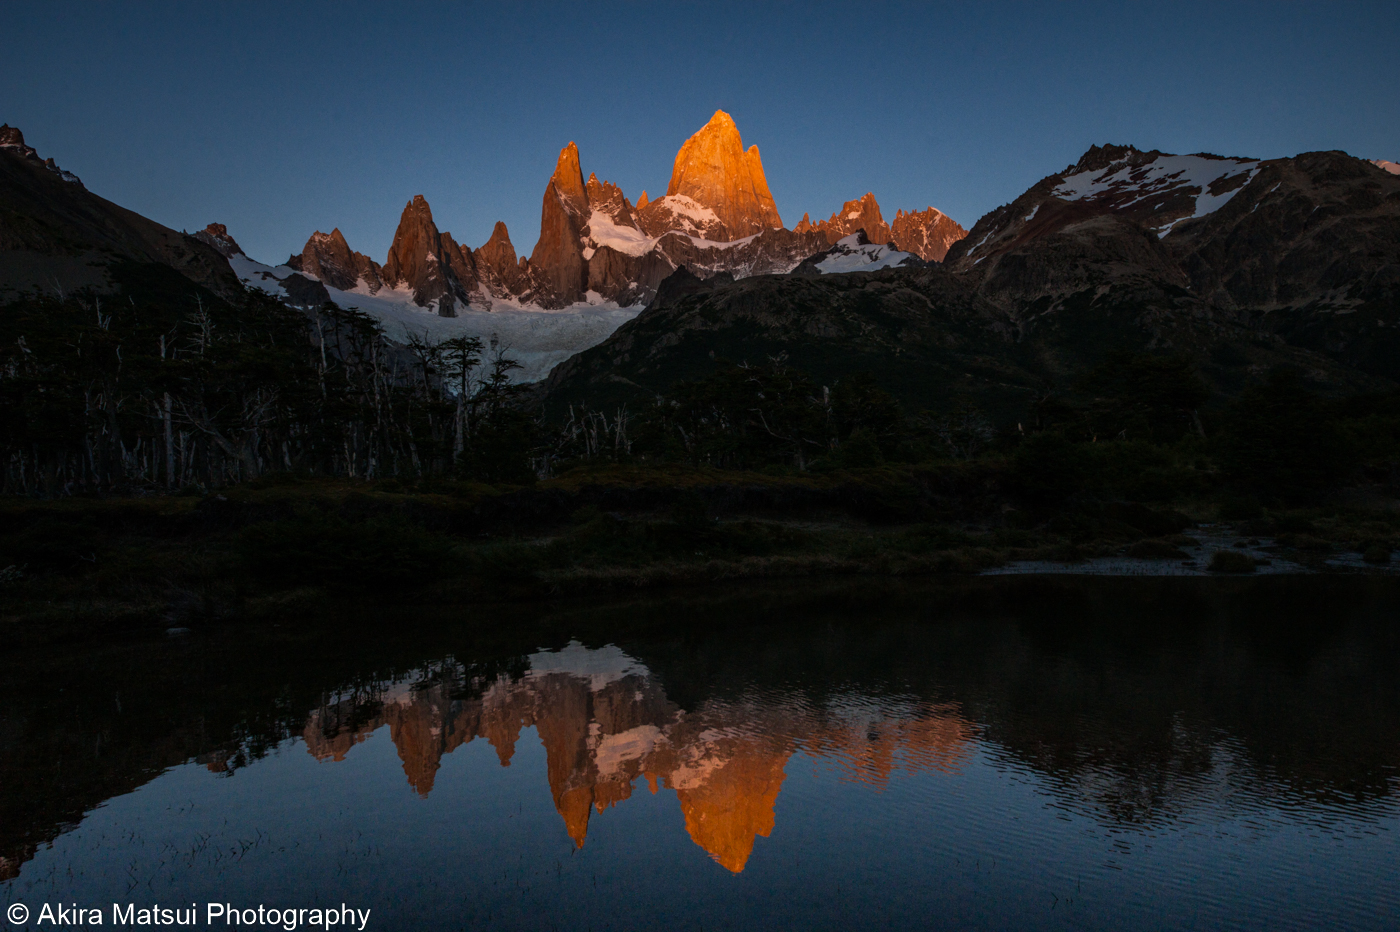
x=227, y=460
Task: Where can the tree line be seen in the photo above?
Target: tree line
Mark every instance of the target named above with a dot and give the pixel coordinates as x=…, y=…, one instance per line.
x=116, y=395
x=120, y=395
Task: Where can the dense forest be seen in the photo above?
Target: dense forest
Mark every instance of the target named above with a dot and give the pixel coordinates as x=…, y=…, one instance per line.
x=155, y=392
x=131, y=395
x=170, y=457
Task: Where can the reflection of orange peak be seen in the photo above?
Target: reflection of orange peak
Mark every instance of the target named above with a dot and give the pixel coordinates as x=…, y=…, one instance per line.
x=576, y=805
x=604, y=722
x=734, y=806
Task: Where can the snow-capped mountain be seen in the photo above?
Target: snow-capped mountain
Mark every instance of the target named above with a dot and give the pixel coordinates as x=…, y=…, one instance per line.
x=1153, y=189
x=596, y=246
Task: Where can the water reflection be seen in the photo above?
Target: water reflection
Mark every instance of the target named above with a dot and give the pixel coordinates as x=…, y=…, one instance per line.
x=605, y=722
x=1225, y=749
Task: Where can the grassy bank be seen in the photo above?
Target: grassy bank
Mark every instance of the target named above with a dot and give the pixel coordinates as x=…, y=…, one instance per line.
x=283, y=547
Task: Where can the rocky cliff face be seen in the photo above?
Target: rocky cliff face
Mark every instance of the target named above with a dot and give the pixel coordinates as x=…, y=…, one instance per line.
x=718, y=215
x=429, y=263
x=217, y=235
x=557, y=259
x=862, y=214
x=713, y=170
x=500, y=269
x=927, y=233
x=329, y=258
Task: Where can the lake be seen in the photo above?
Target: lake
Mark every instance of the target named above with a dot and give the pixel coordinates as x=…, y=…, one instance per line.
x=1011, y=753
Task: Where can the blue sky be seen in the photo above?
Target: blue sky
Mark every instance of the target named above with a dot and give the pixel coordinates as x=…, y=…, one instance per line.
x=280, y=119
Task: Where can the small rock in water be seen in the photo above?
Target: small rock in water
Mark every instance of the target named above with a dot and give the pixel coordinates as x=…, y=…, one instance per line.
x=176, y=632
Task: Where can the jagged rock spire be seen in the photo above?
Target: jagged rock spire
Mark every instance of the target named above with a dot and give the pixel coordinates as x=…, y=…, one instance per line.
x=558, y=256
x=429, y=262
x=713, y=170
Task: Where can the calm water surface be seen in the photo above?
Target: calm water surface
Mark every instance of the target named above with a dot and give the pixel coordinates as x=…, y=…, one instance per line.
x=999, y=754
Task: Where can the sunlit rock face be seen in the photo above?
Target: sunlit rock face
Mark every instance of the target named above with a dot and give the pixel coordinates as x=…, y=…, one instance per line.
x=558, y=255
x=500, y=269
x=328, y=258
x=714, y=170
x=217, y=235
x=428, y=262
x=927, y=233
x=862, y=214
x=605, y=722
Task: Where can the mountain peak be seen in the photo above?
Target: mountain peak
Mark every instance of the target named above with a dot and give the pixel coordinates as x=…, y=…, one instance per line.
x=328, y=258
x=713, y=169
x=860, y=214
x=12, y=140
x=428, y=261
x=558, y=253
x=11, y=137
x=216, y=235
x=568, y=180
x=497, y=260
x=722, y=121
x=1100, y=157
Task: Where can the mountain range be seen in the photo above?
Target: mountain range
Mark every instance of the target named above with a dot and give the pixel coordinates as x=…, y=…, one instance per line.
x=717, y=215
x=1240, y=263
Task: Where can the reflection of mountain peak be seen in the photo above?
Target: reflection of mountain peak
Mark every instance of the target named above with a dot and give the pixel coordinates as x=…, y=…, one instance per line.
x=605, y=721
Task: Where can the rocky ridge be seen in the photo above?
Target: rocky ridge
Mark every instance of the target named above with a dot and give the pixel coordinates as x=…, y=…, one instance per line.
x=217, y=235
x=58, y=237
x=927, y=233
x=1240, y=264
x=12, y=140
x=329, y=258
x=718, y=215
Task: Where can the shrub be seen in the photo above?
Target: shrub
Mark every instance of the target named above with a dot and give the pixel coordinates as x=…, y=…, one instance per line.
x=1280, y=440
x=1231, y=561
x=1049, y=467
x=1378, y=553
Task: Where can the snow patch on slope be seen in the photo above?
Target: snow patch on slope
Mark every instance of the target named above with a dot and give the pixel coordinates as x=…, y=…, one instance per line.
x=1391, y=167
x=851, y=255
x=536, y=338
x=603, y=231
x=1165, y=176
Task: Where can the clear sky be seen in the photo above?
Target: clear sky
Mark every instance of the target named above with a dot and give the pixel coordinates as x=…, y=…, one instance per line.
x=283, y=118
